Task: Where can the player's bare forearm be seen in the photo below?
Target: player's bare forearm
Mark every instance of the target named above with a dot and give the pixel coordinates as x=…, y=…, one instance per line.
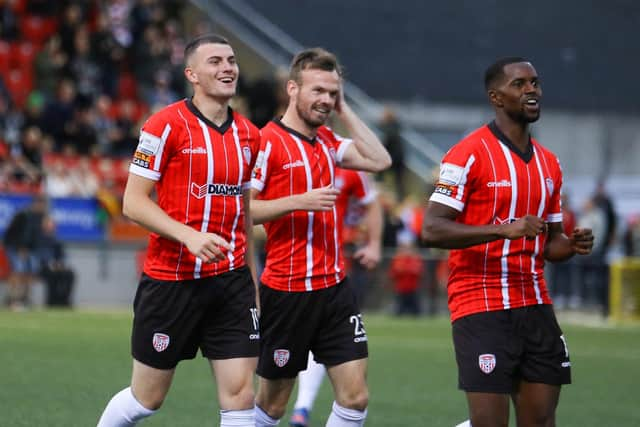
x=368, y=153
x=250, y=253
x=268, y=210
x=444, y=233
x=559, y=247
x=318, y=199
x=138, y=206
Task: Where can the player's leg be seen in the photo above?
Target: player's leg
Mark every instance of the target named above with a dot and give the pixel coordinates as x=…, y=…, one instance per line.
x=309, y=382
x=536, y=404
x=351, y=394
x=271, y=400
x=545, y=367
x=488, y=409
x=234, y=379
x=149, y=387
x=230, y=340
x=487, y=356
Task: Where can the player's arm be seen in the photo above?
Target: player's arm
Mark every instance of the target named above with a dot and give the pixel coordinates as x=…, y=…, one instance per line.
x=560, y=247
x=440, y=229
x=319, y=199
x=141, y=208
x=367, y=152
x=370, y=254
x=250, y=253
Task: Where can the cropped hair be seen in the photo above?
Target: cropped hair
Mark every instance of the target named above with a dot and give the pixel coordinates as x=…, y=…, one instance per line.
x=200, y=40
x=496, y=70
x=315, y=58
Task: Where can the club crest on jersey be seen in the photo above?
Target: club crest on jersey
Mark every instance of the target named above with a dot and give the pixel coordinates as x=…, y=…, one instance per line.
x=246, y=152
x=160, y=341
x=281, y=357
x=549, y=183
x=200, y=191
x=487, y=362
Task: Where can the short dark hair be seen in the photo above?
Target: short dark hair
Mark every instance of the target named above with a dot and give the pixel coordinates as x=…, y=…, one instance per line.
x=315, y=58
x=496, y=70
x=200, y=40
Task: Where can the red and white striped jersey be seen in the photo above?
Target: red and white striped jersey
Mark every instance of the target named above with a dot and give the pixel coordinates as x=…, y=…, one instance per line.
x=303, y=248
x=200, y=171
x=356, y=192
x=490, y=181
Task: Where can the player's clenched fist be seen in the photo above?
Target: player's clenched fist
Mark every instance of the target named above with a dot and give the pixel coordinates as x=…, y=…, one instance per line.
x=581, y=241
x=528, y=226
x=319, y=199
x=209, y=247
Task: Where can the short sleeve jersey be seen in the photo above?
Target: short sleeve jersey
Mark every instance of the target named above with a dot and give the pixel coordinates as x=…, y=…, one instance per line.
x=200, y=171
x=490, y=181
x=356, y=192
x=303, y=249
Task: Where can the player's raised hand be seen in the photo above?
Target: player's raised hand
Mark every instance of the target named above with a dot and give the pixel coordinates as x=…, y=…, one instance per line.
x=528, y=226
x=319, y=199
x=209, y=247
x=582, y=241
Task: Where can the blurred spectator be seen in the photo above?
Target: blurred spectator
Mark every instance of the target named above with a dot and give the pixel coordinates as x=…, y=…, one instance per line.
x=406, y=269
x=8, y=21
x=59, y=182
x=161, y=93
x=21, y=241
x=118, y=17
x=55, y=272
x=261, y=97
x=632, y=237
x=32, y=115
x=390, y=128
x=104, y=124
x=108, y=53
x=73, y=18
x=391, y=221
x=49, y=66
x=59, y=111
x=80, y=133
x=152, y=54
x=127, y=129
x=592, y=268
x=85, y=71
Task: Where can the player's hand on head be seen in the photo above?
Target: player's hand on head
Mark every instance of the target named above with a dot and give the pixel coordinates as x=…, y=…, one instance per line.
x=319, y=199
x=209, y=247
x=528, y=226
x=582, y=241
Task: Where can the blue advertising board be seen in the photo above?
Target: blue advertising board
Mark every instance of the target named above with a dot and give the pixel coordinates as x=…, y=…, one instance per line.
x=77, y=219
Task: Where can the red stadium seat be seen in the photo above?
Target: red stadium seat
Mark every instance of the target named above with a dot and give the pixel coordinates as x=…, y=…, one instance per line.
x=5, y=57
x=37, y=29
x=127, y=86
x=19, y=85
x=22, y=55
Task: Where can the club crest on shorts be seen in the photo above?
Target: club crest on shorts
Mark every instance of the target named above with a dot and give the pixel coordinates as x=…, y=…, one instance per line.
x=281, y=357
x=160, y=341
x=487, y=362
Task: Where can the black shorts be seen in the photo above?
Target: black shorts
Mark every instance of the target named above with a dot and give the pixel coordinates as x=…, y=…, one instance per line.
x=497, y=349
x=216, y=314
x=327, y=322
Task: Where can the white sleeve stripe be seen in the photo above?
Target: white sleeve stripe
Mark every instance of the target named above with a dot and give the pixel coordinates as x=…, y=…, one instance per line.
x=554, y=217
x=163, y=140
x=146, y=173
x=448, y=201
x=256, y=184
x=341, y=150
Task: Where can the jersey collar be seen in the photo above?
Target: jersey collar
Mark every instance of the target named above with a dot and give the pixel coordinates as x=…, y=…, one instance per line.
x=526, y=156
x=220, y=129
x=294, y=132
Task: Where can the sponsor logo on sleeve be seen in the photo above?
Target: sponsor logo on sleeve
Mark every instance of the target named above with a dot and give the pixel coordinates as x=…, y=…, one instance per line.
x=451, y=174
x=148, y=144
x=141, y=159
x=445, y=189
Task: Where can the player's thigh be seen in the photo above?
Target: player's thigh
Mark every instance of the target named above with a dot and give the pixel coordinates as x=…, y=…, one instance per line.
x=487, y=352
x=536, y=404
x=349, y=381
x=234, y=379
x=488, y=409
x=150, y=385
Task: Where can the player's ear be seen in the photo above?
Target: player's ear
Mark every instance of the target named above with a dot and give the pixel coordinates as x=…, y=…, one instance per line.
x=494, y=97
x=292, y=88
x=190, y=75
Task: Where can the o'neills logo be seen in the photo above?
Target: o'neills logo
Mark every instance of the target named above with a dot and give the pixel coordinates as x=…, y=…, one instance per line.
x=502, y=183
x=200, y=191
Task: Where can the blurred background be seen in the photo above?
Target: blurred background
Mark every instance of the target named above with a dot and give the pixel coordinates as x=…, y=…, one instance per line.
x=78, y=79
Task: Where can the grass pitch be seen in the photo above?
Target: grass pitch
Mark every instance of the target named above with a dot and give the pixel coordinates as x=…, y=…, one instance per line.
x=59, y=368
